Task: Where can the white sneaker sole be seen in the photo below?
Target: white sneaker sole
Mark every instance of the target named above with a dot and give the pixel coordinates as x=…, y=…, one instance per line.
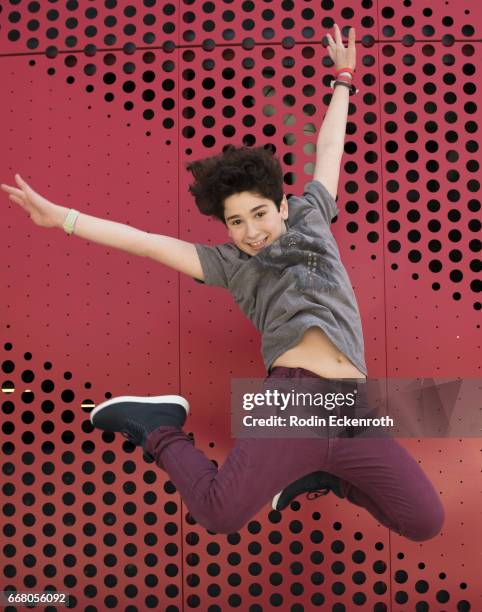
x=274, y=503
x=159, y=399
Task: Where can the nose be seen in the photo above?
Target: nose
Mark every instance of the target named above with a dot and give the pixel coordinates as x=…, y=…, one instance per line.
x=251, y=231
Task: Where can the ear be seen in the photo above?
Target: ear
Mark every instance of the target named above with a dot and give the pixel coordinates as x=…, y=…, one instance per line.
x=284, y=208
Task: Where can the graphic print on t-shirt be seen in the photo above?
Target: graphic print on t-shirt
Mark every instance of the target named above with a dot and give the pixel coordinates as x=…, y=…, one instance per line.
x=304, y=258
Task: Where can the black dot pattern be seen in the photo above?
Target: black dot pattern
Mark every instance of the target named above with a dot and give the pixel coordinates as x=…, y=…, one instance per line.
x=433, y=203
x=73, y=513
x=86, y=514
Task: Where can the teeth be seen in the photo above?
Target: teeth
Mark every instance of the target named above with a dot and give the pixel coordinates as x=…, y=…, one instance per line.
x=257, y=244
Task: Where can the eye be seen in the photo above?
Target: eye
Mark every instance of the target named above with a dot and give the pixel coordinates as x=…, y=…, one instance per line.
x=236, y=222
x=260, y=213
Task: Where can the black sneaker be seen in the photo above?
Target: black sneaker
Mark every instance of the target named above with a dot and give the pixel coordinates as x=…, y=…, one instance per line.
x=136, y=417
x=315, y=484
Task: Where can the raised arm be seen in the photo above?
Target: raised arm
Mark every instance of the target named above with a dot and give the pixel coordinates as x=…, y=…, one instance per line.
x=177, y=254
x=331, y=137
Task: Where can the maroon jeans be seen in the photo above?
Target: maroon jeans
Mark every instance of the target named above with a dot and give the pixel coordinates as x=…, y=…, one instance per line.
x=377, y=474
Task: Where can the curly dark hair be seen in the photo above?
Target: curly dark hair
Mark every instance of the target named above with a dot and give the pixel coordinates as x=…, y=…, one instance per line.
x=254, y=169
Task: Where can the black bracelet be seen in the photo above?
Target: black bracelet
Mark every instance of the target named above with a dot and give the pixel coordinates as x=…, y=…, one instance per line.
x=351, y=87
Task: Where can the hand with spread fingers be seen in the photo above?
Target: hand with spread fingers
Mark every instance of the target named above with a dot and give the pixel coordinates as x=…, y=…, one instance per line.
x=42, y=212
x=343, y=57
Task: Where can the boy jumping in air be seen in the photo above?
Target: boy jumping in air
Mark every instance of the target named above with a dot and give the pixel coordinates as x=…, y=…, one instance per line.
x=283, y=268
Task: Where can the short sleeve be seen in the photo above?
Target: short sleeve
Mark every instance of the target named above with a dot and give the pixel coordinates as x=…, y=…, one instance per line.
x=318, y=196
x=216, y=263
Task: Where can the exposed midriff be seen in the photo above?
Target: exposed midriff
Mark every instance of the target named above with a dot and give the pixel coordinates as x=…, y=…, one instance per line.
x=317, y=353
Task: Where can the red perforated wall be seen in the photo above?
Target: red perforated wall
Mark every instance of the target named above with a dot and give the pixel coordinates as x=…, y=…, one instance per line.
x=103, y=103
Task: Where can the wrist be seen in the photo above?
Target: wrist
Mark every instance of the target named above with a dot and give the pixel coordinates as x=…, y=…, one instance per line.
x=352, y=90
x=344, y=78
x=60, y=215
x=345, y=70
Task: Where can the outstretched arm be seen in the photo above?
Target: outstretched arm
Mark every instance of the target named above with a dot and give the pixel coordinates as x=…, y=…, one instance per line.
x=331, y=137
x=177, y=254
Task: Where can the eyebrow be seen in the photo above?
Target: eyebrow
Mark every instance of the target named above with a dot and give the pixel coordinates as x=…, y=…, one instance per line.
x=251, y=211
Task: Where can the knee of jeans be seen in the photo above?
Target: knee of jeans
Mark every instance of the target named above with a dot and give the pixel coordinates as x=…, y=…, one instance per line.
x=428, y=524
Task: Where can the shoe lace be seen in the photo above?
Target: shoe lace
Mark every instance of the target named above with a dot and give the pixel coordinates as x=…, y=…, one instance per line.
x=317, y=493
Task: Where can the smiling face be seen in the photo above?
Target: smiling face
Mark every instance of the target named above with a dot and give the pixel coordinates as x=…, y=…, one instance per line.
x=253, y=221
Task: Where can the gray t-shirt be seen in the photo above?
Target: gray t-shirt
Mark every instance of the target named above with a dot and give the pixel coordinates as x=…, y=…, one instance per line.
x=296, y=282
